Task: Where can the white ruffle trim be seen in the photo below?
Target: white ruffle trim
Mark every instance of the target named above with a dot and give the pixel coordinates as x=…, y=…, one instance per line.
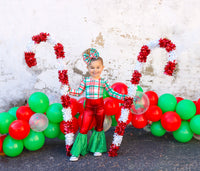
x=31, y=46
x=61, y=64
x=132, y=90
x=124, y=115
x=117, y=139
x=67, y=114
x=51, y=41
x=138, y=66
x=153, y=44
x=69, y=138
x=172, y=56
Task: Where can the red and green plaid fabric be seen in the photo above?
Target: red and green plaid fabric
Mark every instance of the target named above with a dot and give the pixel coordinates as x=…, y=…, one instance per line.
x=94, y=89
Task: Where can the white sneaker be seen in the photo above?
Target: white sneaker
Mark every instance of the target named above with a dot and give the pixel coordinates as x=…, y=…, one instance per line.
x=73, y=158
x=97, y=154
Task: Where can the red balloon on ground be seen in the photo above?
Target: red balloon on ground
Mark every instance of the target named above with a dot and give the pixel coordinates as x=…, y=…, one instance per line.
x=24, y=113
x=154, y=113
x=93, y=124
x=120, y=88
x=178, y=99
x=1, y=145
x=171, y=121
x=139, y=121
x=19, y=129
x=197, y=104
x=153, y=97
x=81, y=104
x=74, y=106
x=111, y=106
x=119, y=114
x=2, y=137
x=75, y=125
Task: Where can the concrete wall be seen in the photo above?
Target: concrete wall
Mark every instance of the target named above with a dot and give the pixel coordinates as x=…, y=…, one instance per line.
x=116, y=28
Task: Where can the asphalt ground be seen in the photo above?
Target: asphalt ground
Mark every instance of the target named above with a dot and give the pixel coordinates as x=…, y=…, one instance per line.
x=140, y=150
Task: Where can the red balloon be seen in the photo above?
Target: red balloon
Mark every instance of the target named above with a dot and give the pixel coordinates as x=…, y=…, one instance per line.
x=139, y=121
x=1, y=145
x=19, y=129
x=118, y=114
x=178, y=99
x=92, y=125
x=24, y=113
x=197, y=104
x=75, y=125
x=2, y=137
x=81, y=104
x=111, y=106
x=153, y=97
x=154, y=113
x=120, y=88
x=74, y=106
x=171, y=121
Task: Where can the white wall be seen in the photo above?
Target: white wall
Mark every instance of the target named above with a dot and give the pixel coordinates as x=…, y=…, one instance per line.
x=116, y=28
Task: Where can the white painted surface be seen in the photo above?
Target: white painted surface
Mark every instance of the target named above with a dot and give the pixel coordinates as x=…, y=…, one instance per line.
x=117, y=29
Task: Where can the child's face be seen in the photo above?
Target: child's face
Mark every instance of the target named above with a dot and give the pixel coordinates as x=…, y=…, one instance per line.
x=95, y=69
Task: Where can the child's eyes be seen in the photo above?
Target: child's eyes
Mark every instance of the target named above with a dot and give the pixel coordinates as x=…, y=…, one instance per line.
x=94, y=68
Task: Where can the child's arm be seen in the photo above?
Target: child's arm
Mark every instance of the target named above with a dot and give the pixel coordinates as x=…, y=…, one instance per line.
x=79, y=91
x=113, y=93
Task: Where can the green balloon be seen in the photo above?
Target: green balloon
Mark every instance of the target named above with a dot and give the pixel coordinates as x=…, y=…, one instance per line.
x=12, y=147
x=105, y=94
x=139, y=88
x=54, y=113
x=157, y=129
x=195, y=124
x=114, y=122
x=5, y=120
x=38, y=102
x=52, y=130
x=61, y=136
x=34, y=141
x=167, y=102
x=13, y=111
x=184, y=133
x=186, y=109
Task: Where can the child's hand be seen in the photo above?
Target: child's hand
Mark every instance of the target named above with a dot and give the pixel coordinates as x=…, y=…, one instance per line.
x=63, y=86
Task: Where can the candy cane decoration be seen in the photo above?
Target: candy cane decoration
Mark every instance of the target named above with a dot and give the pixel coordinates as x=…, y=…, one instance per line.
x=141, y=58
x=63, y=78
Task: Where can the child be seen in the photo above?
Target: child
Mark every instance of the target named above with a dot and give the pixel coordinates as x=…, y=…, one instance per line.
x=94, y=107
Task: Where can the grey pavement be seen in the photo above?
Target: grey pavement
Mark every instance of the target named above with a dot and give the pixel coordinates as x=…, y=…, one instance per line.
x=140, y=150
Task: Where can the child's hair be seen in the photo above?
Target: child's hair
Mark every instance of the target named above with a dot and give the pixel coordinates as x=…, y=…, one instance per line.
x=97, y=59
x=90, y=51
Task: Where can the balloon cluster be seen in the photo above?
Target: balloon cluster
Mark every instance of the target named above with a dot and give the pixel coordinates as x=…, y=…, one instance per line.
x=27, y=126
x=173, y=114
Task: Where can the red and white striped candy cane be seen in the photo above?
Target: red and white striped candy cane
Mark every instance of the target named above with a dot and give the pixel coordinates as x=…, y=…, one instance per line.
x=141, y=58
x=63, y=78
